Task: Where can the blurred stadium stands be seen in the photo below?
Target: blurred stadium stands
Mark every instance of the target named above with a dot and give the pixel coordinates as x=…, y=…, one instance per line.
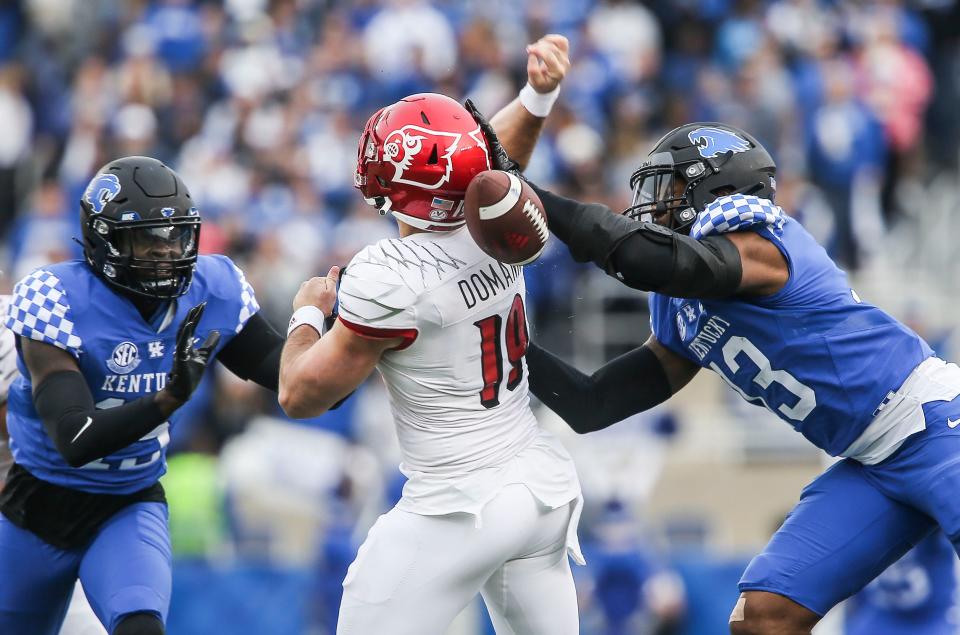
x=259, y=105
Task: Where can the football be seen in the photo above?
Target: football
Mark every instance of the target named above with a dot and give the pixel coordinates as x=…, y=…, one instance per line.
x=505, y=217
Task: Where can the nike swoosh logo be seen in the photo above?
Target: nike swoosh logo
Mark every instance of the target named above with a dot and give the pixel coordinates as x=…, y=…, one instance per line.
x=953, y=423
x=85, y=426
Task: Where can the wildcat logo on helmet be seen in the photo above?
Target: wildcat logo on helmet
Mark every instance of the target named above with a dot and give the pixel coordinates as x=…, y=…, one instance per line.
x=167, y=212
x=102, y=189
x=712, y=141
x=124, y=359
x=403, y=145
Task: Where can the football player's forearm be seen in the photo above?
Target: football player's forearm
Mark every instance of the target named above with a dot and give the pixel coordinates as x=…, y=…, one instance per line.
x=644, y=256
x=518, y=131
x=629, y=384
x=591, y=231
x=81, y=432
x=295, y=389
x=311, y=383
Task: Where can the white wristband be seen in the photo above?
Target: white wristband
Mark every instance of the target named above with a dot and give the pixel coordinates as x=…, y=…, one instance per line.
x=538, y=104
x=307, y=316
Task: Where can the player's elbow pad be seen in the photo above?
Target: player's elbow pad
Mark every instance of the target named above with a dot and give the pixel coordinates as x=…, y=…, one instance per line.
x=658, y=259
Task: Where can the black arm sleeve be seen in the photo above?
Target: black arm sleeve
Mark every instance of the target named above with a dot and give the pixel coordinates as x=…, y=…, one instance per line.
x=80, y=432
x=591, y=231
x=644, y=256
x=254, y=353
x=629, y=384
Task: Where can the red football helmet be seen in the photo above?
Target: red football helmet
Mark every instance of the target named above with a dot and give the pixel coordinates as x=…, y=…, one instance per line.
x=416, y=158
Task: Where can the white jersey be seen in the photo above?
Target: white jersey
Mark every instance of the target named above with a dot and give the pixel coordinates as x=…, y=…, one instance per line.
x=458, y=381
x=8, y=373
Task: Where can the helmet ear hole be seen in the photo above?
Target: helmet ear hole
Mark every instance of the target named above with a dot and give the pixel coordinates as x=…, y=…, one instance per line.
x=383, y=182
x=434, y=156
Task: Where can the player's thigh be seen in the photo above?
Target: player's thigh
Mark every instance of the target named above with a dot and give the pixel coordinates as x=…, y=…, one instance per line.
x=415, y=573
x=412, y=575
x=925, y=473
x=127, y=568
x=842, y=534
x=36, y=581
x=535, y=594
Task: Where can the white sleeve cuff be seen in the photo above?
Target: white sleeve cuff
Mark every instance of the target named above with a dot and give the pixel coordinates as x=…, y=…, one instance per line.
x=538, y=104
x=307, y=316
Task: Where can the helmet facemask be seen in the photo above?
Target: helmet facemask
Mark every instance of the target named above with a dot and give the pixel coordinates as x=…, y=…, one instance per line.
x=660, y=192
x=153, y=259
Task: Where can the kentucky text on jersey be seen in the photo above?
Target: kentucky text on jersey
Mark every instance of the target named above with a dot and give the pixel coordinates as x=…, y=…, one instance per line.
x=487, y=283
x=145, y=382
x=709, y=335
x=122, y=357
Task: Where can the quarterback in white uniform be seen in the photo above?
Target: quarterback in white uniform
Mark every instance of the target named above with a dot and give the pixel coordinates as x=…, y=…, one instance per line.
x=80, y=619
x=491, y=503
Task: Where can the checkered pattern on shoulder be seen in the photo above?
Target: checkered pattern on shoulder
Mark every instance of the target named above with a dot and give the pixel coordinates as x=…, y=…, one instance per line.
x=39, y=310
x=737, y=211
x=248, y=300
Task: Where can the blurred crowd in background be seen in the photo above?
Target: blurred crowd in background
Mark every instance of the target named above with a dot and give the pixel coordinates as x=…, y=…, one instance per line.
x=259, y=105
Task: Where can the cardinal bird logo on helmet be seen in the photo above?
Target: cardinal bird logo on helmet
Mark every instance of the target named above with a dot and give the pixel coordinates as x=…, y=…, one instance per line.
x=403, y=145
x=712, y=141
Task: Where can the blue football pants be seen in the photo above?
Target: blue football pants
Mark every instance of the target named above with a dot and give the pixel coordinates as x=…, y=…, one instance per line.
x=125, y=569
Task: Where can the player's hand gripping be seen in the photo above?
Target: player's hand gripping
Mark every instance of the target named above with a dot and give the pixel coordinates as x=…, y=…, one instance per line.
x=548, y=60
x=499, y=159
x=189, y=362
x=320, y=292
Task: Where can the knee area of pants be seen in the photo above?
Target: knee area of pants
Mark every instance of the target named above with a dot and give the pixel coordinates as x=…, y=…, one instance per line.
x=139, y=624
x=762, y=620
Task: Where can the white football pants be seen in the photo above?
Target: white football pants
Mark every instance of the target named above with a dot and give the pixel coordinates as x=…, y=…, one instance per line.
x=415, y=573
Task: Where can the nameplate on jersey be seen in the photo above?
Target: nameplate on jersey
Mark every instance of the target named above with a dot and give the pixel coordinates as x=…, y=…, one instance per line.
x=476, y=289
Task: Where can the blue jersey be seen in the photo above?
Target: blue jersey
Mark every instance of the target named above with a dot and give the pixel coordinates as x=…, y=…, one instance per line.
x=813, y=353
x=121, y=355
x=919, y=590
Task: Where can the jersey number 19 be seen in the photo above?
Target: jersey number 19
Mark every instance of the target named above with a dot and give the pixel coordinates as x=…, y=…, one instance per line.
x=491, y=356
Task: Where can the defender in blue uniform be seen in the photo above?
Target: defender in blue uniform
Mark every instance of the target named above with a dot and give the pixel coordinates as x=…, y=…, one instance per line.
x=108, y=348
x=741, y=289
x=917, y=595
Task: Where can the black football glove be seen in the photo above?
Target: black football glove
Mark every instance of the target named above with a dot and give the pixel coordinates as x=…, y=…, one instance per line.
x=499, y=159
x=190, y=362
